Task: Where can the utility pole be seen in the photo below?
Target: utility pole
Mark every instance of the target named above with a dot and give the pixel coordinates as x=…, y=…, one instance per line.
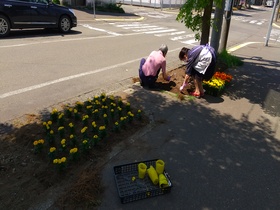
x=270, y=24
x=217, y=26
x=226, y=24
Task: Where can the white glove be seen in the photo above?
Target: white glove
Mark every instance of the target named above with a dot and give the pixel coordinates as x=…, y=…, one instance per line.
x=182, y=87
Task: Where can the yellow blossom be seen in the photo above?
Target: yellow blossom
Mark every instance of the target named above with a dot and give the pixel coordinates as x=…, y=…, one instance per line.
x=73, y=150
x=54, y=111
x=71, y=125
x=85, y=141
x=60, y=116
x=60, y=128
x=84, y=129
x=63, y=141
x=52, y=149
x=63, y=160
x=55, y=161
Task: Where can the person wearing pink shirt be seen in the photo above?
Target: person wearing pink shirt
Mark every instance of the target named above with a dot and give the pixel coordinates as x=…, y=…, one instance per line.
x=150, y=68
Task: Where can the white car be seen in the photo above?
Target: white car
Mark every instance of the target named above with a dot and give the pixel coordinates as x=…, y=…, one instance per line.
x=269, y=3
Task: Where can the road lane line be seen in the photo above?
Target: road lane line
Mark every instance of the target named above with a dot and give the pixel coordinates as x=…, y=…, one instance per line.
x=240, y=46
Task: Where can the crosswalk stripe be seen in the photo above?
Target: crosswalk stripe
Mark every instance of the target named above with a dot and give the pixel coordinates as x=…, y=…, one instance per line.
x=132, y=27
x=150, y=29
x=171, y=34
x=182, y=37
x=192, y=41
x=153, y=32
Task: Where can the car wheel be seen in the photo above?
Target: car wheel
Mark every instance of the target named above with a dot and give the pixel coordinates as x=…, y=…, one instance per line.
x=4, y=26
x=64, y=24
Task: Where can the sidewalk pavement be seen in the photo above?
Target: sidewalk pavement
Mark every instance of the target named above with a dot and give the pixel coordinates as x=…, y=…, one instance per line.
x=220, y=152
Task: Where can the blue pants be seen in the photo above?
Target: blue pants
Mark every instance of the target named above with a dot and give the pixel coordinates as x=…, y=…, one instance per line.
x=147, y=80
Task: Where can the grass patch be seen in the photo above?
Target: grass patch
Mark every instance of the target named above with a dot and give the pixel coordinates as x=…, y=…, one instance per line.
x=229, y=60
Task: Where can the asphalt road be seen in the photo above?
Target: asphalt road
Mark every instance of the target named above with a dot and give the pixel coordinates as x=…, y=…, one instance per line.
x=40, y=69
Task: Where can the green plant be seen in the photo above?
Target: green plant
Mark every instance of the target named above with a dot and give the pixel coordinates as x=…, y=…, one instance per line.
x=56, y=1
x=116, y=8
x=229, y=60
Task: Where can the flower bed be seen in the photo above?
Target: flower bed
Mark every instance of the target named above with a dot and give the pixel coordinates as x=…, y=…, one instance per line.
x=72, y=133
x=216, y=85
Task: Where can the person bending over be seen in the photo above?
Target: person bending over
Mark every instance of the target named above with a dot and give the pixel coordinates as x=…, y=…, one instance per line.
x=150, y=67
x=200, y=61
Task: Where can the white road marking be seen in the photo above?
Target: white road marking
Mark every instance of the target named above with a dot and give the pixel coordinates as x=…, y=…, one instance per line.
x=58, y=40
x=162, y=31
x=171, y=34
x=182, y=37
x=149, y=29
x=192, y=41
x=99, y=29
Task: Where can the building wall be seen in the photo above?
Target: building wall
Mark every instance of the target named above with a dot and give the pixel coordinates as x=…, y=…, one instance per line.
x=148, y=3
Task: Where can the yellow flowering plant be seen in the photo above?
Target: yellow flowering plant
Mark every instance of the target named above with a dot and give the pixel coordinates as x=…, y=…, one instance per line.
x=61, y=119
x=79, y=105
x=54, y=115
x=60, y=163
x=38, y=145
x=73, y=140
x=74, y=155
x=61, y=131
x=52, y=153
x=139, y=114
x=85, y=145
x=95, y=139
x=84, y=131
x=85, y=120
x=102, y=131
x=69, y=134
x=130, y=116
x=217, y=83
x=116, y=127
x=127, y=106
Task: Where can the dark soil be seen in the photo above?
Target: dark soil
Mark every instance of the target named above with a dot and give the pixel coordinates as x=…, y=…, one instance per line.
x=30, y=180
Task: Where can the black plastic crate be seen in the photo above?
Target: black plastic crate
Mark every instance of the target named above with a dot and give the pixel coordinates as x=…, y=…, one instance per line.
x=138, y=189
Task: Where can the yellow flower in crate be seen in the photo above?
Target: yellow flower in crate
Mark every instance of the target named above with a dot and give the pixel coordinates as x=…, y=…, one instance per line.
x=214, y=86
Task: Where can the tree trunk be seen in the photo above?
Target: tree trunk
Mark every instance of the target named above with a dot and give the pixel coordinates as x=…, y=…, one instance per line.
x=206, y=23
